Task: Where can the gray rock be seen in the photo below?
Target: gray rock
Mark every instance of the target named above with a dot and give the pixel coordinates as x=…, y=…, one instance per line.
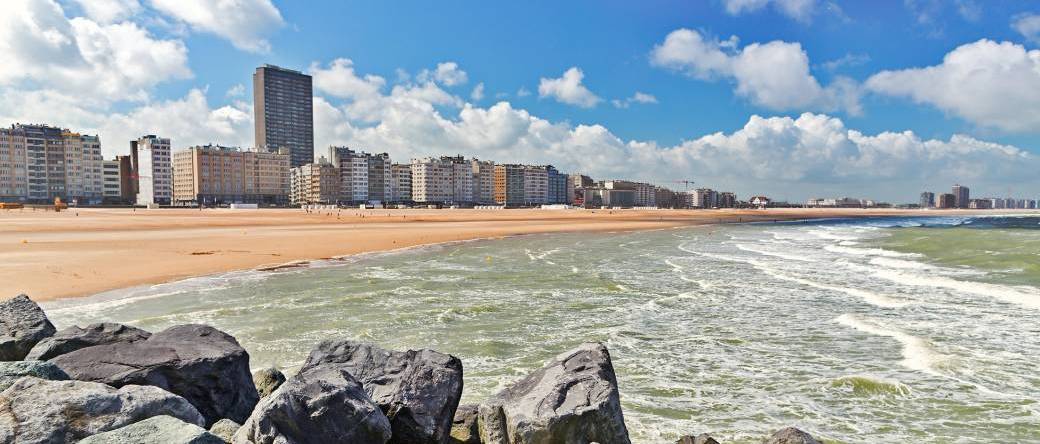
x=790, y=435
x=204, y=365
x=22, y=325
x=418, y=390
x=156, y=430
x=75, y=338
x=322, y=404
x=464, y=428
x=37, y=410
x=573, y=400
x=267, y=381
x=15, y=370
x=225, y=429
x=703, y=438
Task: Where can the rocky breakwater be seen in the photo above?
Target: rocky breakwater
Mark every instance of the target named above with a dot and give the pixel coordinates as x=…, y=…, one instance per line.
x=110, y=383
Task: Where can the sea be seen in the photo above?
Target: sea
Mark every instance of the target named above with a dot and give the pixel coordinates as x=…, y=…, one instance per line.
x=907, y=329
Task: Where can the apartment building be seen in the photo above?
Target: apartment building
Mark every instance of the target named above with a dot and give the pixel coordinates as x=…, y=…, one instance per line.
x=401, y=183
x=510, y=189
x=39, y=163
x=444, y=180
x=213, y=175
x=380, y=178
x=284, y=112
x=112, y=185
x=483, y=182
x=154, y=170
x=314, y=183
x=536, y=185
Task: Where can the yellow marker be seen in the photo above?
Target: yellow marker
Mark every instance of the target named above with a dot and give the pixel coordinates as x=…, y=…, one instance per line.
x=488, y=259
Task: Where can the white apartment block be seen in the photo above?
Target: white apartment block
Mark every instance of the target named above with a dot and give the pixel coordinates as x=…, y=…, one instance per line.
x=401, y=183
x=112, y=183
x=41, y=162
x=432, y=180
x=536, y=185
x=154, y=171
x=364, y=177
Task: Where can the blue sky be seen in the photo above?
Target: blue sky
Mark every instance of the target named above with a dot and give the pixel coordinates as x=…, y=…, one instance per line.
x=852, y=98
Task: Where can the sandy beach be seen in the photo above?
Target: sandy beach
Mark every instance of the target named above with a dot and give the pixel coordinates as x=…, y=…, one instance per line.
x=82, y=252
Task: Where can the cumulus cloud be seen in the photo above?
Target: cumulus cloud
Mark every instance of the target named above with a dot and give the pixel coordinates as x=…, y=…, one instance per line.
x=801, y=10
x=638, y=97
x=987, y=83
x=568, y=89
x=478, y=92
x=245, y=23
x=109, y=11
x=43, y=49
x=447, y=74
x=1029, y=26
x=773, y=75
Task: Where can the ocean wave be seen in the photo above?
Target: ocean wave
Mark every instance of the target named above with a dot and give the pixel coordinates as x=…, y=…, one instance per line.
x=917, y=352
x=867, y=251
x=1025, y=296
x=871, y=386
x=899, y=263
x=872, y=298
x=787, y=256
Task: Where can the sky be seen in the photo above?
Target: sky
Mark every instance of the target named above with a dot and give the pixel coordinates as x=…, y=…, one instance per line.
x=788, y=98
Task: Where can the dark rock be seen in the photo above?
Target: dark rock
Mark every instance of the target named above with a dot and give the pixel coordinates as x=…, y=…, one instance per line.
x=156, y=430
x=418, y=390
x=225, y=429
x=15, y=370
x=322, y=404
x=36, y=410
x=204, y=365
x=790, y=435
x=572, y=400
x=75, y=338
x=267, y=381
x=703, y=438
x=464, y=428
x=22, y=325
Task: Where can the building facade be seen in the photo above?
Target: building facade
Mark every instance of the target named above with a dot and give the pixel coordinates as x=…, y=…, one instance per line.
x=509, y=185
x=112, y=181
x=927, y=200
x=483, y=182
x=946, y=200
x=314, y=183
x=961, y=196
x=536, y=185
x=401, y=184
x=39, y=163
x=154, y=171
x=442, y=180
x=284, y=112
x=364, y=177
x=557, y=186
x=216, y=175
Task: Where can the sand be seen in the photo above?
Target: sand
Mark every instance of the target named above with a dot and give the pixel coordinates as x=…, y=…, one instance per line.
x=81, y=252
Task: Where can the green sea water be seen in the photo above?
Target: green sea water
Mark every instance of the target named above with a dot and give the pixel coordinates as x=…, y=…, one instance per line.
x=1008, y=255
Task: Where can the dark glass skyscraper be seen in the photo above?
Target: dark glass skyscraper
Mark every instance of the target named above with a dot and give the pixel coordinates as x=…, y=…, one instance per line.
x=284, y=112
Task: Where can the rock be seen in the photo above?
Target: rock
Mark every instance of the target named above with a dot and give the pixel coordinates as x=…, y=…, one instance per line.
x=22, y=325
x=204, y=365
x=321, y=404
x=38, y=410
x=225, y=429
x=15, y=370
x=573, y=399
x=75, y=338
x=464, y=428
x=156, y=430
x=267, y=381
x=418, y=390
x=790, y=435
x=703, y=438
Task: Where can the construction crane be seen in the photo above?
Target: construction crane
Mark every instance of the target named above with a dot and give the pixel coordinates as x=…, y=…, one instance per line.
x=686, y=184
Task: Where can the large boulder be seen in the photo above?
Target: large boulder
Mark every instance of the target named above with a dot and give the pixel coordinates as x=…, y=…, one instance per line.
x=418, y=390
x=321, y=404
x=267, y=381
x=15, y=370
x=156, y=430
x=703, y=438
x=572, y=400
x=464, y=428
x=22, y=325
x=75, y=338
x=38, y=410
x=790, y=435
x=225, y=429
x=204, y=365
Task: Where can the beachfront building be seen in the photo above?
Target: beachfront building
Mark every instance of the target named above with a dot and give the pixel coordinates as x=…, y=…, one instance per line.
x=666, y=198
x=726, y=199
x=600, y=196
x=760, y=201
x=39, y=163
x=216, y=175
x=643, y=194
x=509, y=185
x=112, y=182
x=283, y=112
x=380, y=178
x=961, y=196
x=442, y=180
x=483, y=182
x=536, y=185
x=314, y=183
x=946, y=200
x=559, y=187
x=927, y=200
x=154, y=171
x=401, y=183
x=364, y=178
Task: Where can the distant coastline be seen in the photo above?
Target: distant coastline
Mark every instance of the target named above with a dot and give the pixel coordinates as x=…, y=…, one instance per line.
x=88, y=251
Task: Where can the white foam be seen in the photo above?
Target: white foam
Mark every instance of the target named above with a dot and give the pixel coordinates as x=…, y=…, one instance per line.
x=899, y=263
x=1024, y=296
x=867, y=251
x=792, y=257
x=917, y=353
x=867, y=296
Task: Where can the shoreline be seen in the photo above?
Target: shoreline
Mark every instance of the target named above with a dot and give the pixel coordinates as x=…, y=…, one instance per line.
x=88, y=252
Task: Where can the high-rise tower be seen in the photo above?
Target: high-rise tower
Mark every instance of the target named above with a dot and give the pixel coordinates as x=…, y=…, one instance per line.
x=284, y=113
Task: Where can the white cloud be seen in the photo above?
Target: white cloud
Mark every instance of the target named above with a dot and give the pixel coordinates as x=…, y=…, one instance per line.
x=1029, y=26
x=447, y=74
x=43, y=49
x=773, y=75
x=523, y=92
x=478, y=92
x=109, y=11
x=987, y=83
x=801, y=10
x=238, y=90
x=847, y=60
x=638, y=97
x=339, y=80
x=243, y=22
x=568, y=89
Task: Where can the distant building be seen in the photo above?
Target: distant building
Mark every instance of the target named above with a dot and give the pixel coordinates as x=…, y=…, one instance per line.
x=840, y=202
x=113, y=181
x=483, y=182
x=961, y=196
x=509, y=185
x=442, y=180
x=727, y=200
x=154, y=171
x=214, y=175
x=980, y=204
x=666, y=198
x=927, y=199
x=536, y=185
x=596, y=197
x=364, y=177
x=127, y=178
x=283, y=112
x=704, y=198
x=760, y=201
x=557, y=184
x=945, y=201
x=314, y=183
x=380, y=178
x=643, y=194
x=39, y=163
x=401, y=184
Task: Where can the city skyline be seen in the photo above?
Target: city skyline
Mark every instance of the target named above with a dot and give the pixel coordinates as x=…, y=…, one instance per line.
x=681, y=99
